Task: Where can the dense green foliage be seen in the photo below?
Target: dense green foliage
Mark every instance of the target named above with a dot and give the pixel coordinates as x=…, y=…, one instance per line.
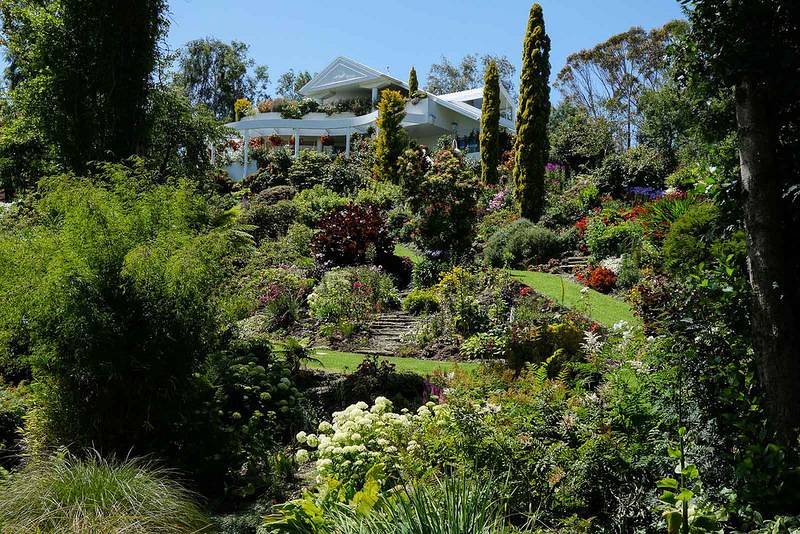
x=688, y=242
x=531, y=147
x=80, y=73
x=124, y=271
x=153, y=307
x=445, y=206
x=522, y=244
x=216, y=74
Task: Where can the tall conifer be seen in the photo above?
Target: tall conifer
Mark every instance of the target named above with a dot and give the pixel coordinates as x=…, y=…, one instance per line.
x=413, y=83
x=490, y=124
x=392, y=139
x=534, y=112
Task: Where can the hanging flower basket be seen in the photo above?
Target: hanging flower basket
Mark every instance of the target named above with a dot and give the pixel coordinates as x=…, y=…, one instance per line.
x=326, y=140
x=275, y=140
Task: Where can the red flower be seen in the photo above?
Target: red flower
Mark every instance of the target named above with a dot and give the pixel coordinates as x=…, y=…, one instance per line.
x=601, y=279
x=581, y=225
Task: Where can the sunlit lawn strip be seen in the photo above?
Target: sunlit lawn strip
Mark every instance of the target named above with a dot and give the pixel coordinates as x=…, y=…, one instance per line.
x=602, y=308
x=335, y=361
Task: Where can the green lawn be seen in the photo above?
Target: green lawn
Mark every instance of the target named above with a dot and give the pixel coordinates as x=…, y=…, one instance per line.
x=340, y=362
x=405, y=251
x=602, y=308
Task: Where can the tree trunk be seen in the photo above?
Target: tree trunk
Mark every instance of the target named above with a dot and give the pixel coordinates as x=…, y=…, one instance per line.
x=774, y=316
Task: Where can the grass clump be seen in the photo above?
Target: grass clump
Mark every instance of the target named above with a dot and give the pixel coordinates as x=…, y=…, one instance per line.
x=453, y=505
x=67, y=494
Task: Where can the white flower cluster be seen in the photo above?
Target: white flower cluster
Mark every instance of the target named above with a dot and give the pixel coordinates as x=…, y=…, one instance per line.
x=612, y=264
x=361, y=436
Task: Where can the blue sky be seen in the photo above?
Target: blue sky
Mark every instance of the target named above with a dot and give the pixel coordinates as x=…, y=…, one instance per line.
x=394, y=34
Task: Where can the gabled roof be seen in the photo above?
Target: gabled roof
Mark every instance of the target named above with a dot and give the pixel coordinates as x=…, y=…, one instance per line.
x=343, y=72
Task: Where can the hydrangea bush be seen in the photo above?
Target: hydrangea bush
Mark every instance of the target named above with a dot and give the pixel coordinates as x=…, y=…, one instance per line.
x=362, y=436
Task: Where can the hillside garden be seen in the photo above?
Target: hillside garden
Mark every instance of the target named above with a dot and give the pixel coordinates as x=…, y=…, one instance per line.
x=556, y=338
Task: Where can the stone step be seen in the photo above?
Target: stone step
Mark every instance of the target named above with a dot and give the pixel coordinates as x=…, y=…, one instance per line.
x=388, y=334
x=376, y=326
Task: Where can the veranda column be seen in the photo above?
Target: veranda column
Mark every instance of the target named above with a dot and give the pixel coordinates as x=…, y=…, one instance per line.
x=246, y=152
x=374, y=95
x=347, y=142
x=297, y=142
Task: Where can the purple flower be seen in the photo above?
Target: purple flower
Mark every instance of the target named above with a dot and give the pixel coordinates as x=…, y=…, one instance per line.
x=552, y=167
x=651, y=193
x=498, y=201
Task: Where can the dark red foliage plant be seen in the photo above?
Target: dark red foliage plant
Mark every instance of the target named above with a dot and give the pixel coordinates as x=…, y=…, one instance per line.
x=353, y=235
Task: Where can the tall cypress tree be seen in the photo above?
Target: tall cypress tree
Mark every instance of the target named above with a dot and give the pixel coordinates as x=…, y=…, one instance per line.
x=534, y=112
x=392, y=139
x=490, y=124
x=413, y=84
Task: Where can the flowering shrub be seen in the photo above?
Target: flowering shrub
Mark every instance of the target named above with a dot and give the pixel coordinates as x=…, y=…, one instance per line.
x=353, y=235
x=445, y=207
x=361, y=437
x=582, y=225
x=646, y=193
x=283, y=297
x=349, y=298
x=600, y=279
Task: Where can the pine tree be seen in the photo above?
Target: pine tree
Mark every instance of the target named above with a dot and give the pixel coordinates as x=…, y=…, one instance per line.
x=392, y=139
x=413, y=84
x=534, y=112
x=490, y=125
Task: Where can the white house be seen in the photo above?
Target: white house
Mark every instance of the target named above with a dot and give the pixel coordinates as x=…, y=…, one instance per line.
x=345, y=81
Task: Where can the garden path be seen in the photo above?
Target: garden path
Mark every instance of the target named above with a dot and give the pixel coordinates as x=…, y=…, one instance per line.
x=389, y=332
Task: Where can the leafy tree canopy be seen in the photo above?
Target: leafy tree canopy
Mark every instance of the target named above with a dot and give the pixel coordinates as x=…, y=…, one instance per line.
x=447, y=77
x=608, y=78
x=290, y=83
x=216, y=74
